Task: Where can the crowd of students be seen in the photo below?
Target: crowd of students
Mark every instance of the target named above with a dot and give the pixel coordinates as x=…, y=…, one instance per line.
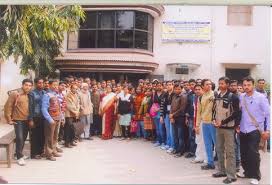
x=183, y=118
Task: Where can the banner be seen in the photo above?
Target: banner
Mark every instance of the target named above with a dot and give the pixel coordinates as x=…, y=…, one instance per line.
x=183, y=31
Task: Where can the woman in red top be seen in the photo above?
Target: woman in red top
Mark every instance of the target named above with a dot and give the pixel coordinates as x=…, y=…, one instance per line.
x=137, y=116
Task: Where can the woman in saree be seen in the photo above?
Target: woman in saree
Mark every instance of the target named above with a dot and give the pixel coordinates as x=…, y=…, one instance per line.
x=107, y=110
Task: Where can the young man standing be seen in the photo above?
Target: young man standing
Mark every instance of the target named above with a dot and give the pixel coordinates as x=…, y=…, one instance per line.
x=164, y=117
x=51, y=110
x=16, y=112
x=177, y=118
x=204, y=119
x=255, y=109
x=226, y=113
x=96, y=127
x=37, y=132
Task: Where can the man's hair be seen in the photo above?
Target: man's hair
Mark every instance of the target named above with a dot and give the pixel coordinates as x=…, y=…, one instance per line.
x=51, y=81
x=249, y=79
x=169, y=82
x=205, y=80
x=225, y=79
x=192, y=80
x=62, y=82
x=178, y=85
x=261, y=80
x=197, y=85
x=27, y=81
x=36, y=80
x=233, y=81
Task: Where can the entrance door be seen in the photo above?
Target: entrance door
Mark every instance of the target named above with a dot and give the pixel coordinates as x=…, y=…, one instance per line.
x=237, y=74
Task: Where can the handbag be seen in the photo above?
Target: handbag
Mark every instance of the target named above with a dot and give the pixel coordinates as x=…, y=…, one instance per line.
x=263, y=142
x=154, y=110
x=133, y=126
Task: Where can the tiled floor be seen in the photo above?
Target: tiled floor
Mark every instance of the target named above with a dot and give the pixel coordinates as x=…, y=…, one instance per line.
x=115, y=161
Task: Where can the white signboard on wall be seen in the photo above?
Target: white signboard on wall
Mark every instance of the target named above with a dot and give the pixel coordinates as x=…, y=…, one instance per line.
x=186, y=31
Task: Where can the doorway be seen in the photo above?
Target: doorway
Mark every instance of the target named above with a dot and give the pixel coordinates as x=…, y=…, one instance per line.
x=237, y=74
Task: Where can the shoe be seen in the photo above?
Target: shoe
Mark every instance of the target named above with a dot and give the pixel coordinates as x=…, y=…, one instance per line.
x=219, y=174
x=241, y=175
x=196, y=161
x=157, y=144
x=208, y=167
x=189, y=155
x=59, y=150
x=178, y=155
x=51, y=158
x=68, y=146
x=90, y=138
x=254, y=181
x=170, y=150
x=56, y=155
x=122, y=138
x=37, y=157
x=73, y=144
x=173, y=152
x=229, y=180
x=21, y=161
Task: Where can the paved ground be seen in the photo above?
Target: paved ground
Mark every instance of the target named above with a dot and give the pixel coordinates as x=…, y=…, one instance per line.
x=115, y=161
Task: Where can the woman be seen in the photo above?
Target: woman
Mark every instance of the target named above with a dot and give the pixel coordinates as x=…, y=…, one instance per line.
x=125, y=109
x=144, y=111
x=107, y=108
x=138, y=117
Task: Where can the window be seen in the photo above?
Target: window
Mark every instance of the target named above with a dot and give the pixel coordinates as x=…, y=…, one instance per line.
x=116, y=29
x=240, y=15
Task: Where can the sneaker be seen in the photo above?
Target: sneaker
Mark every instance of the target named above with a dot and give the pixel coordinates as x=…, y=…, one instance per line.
x=197, y=161
x=208, y=167
x=170, y=150
x=254, y=181
x=229, y=180
x=21, y=161
x=122, y=138
x=26, y=157
x=241, y=175
x=157, y=144
x=189, y=155
x=219, y=174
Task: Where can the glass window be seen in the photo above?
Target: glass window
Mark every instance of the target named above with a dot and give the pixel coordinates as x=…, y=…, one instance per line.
x=124, y=39
x=140, y=40
x=90, y=20
x=141, y=20
x=105, y=39
x=116, y=29
x=106, y=20
x=125, y=19
x=87, y=38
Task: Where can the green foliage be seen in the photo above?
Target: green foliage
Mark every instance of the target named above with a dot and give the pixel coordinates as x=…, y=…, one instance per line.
x=35, y=33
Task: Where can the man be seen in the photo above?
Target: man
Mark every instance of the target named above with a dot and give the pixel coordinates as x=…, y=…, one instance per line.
x=177, y=118
x=240, y=88
x=234, y=89
x=255, y=109
x=51, y=110
x=200, y=149
x=96, y=127
x=71, y=116
x=37, y=132
x=86, y=110
x=46, y=85
x=226, y=114
x=16, y=111
x=190, y=119
x=261, y=87
x=164, y=117
x=186, y=85
x=102, y=91
x=204, y=119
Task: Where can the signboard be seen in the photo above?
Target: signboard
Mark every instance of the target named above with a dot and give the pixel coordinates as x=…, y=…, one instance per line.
x=183, y=31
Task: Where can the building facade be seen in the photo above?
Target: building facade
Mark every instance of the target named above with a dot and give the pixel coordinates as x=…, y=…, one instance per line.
x=127, y=42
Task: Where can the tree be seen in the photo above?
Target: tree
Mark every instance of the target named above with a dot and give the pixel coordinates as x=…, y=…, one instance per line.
x=35, y=34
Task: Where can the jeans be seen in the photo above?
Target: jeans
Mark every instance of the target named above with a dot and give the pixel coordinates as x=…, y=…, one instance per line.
x=160, y=135
x=191, y=140
x=86, y=120
x=96, y=127
x=250, y=156
x=141, y=131
x=37, y=137
x=169, y=134
x=237, y=150
x=209, y=139
x=178, y=131
x=21, y=131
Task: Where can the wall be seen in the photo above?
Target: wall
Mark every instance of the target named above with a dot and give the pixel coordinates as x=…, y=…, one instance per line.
x=243, y=45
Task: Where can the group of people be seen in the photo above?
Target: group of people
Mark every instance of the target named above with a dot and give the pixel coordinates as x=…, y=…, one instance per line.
x=184, y=118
